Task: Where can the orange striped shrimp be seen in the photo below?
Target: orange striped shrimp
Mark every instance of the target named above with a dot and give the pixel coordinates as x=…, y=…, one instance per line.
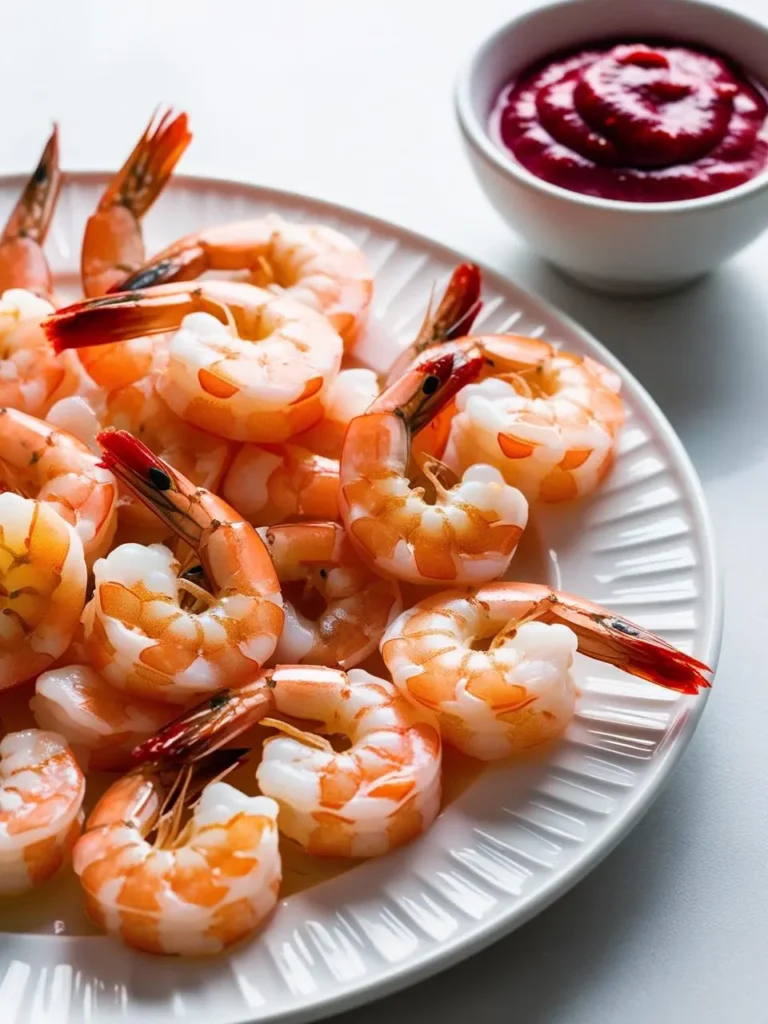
x=382, y=792
x=270, y=483
x=518, y=692
x=32, y=376
x=470, y=531
x=191, y=891
x=101, y=723
x=137, y=634
x=137, y=408
x=547, y=420
x=359, y=604
x=311, y=263
x=199, y=456
x=348, y=395
x=43, y=578
x=247, y=365
x=353, y=390
x=41, y=796
x=42, y=462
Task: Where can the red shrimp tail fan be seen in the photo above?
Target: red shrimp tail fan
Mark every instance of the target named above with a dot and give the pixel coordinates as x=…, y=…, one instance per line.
x=456, y=311
x=121, y=450
x=112, y=318
x=460, y=304
x=208, y=726
x=184, y=740
x=618, y=641
x=453, y=318
x=652, y=659
x=150, y=164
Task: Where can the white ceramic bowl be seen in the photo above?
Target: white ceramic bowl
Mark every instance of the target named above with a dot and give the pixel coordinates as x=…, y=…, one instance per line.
x=637, y=248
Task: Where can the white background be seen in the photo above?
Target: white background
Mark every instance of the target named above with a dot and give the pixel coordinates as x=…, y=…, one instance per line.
x=350, y=100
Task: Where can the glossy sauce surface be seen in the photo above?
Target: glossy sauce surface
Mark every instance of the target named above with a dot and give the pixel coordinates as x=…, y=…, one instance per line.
x=638, y=122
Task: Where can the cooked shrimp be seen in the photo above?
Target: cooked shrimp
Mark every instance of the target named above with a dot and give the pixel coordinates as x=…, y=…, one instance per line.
x=353, y=390
x=196, y=454
x=259, y=380
x=518, y=692
x=76, y=415
x=138, y=409
x=136, y=632
x=102, y=724
x=548, y=420
x=75, y=652
x=453, y=318
x=41, y=795
x=113, y=247
x=32, y=375
x=42, y=587
x=122, y=363
x=359, y=605
x=471, y=531
x=348, y=395
x=22, y=261
x=313, y=264
x=49, y=464
x=270, y=483
x=190, y=892
x=382, y=792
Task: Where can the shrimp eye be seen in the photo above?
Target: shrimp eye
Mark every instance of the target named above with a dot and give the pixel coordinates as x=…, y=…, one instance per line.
x=159, y=478
x=430, y=385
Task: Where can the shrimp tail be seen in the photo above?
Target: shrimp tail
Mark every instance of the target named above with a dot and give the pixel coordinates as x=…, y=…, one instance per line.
x=432, y=380
x=168, y=494
x=22, y=261
x=457, y=309
x=31, y=216
x=200, y=731
x=146, y=171
x=618, y=641
x=121, y=317
x=453, y=318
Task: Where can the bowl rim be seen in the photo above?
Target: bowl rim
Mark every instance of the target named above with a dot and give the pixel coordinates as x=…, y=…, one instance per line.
x=477, y=134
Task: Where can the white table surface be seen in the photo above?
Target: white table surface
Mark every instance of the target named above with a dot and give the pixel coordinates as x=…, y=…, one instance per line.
x=350, y=100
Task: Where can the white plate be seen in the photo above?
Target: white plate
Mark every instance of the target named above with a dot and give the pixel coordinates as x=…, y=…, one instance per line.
x=523, y=833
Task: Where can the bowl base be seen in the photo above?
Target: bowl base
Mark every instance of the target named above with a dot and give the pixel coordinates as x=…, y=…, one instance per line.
x=630, y=289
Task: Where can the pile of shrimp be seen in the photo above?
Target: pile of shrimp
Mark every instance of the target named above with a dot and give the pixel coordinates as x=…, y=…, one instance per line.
x=213, y=517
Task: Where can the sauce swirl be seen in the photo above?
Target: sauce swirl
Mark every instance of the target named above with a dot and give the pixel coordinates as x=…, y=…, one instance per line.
x=636, y=122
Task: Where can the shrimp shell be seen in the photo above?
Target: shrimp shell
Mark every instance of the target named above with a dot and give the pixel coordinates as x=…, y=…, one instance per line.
x=41, y=795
